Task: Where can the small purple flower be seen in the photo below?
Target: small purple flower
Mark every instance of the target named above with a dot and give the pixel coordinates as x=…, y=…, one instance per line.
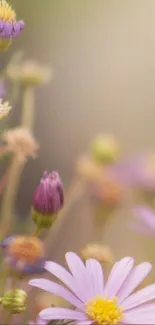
x=95, y=301
x=9, y=26
x=23, y=254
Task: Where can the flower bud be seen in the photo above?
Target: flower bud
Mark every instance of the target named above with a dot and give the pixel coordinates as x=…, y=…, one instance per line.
x=48, y=200
x=104, y=149
x=15, y=301
x=23, y=254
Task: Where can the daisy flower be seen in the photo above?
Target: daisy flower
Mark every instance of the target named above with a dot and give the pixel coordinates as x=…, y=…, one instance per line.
x=97, y=302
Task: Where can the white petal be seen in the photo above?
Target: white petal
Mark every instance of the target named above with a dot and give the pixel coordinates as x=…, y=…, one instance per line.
x=61, y=313
x=140, y=297
x=96, y=277
x=63, y=275
x=58, y=290
x=136, y=276
x=118, y=275
x=141, y=315
x=80, y=275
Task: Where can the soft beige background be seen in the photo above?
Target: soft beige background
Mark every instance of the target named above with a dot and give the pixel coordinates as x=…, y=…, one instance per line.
x=103, y=54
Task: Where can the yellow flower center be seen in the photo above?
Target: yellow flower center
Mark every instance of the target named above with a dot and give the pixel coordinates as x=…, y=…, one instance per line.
x=7, y=14
x=103, y=311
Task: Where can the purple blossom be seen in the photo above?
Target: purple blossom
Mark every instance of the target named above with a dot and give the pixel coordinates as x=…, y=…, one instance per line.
x=11, y=29
x=96, y=301
x=49, y=196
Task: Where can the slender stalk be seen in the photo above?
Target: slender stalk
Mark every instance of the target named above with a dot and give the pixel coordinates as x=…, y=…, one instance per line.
x=10, y=196
x=37, y=232
x=28, y=112
x=17, y=166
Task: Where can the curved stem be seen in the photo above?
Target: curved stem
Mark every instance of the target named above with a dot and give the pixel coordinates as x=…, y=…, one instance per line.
x=28, y=112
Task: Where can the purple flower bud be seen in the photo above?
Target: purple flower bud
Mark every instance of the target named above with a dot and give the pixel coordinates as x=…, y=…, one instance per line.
x=48, y=200
x=49, y=197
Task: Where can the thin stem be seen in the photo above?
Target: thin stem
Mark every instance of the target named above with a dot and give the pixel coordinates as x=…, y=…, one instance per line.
x=37, y=231
x=17, y=166
x=10, y=193
x=28, y=107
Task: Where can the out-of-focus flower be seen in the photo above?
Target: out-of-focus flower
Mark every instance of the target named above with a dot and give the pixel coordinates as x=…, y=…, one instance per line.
x=23, y=254
x=29, y=72
x=139, y=172
x=15, y=301
x=48, y=200
x=9, y=26
x=145, y=220
x=101, y=253
x=88, y=169
x=108, y=190
x=95, y=302
x=21, y=142
x=5, y=108
x=105, y=149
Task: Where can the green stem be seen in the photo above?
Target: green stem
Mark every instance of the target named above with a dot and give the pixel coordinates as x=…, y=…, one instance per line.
x=37, y=231
x=9, y=198
x=17, y=166
x=28, y=107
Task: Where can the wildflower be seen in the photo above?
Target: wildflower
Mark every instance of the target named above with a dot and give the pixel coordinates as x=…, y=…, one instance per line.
x=29, y=72
x=146, y=220
x=48, y=200
x=95, y=302
x=15, y=301
x=101, y=253
x=5, y=108
x=9, y=26
x=108, y=190
x=23, y=254
x=105, y=149
x=88, y=169
x=21, y=142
